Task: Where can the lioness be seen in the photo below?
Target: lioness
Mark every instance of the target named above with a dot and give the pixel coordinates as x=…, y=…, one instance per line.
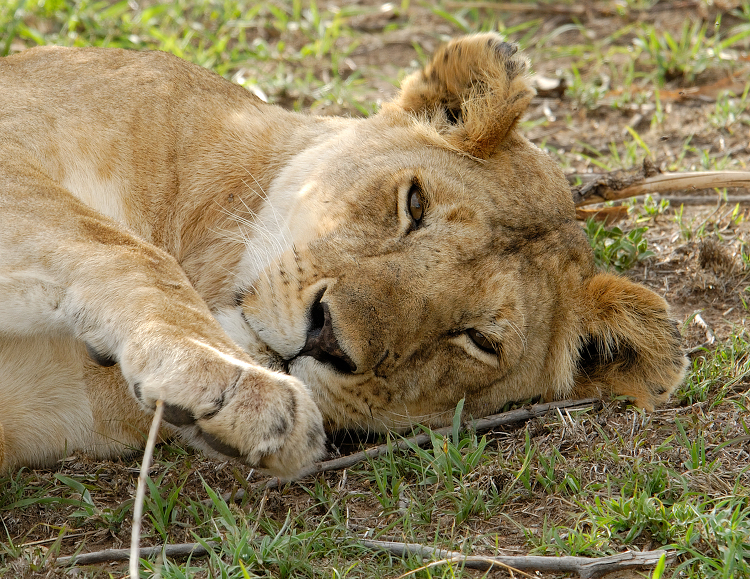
x=166, y=235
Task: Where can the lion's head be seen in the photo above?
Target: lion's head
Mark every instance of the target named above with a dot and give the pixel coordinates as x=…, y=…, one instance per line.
x=435, y=256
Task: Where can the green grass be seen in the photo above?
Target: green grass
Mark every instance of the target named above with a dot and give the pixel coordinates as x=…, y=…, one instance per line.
x=616, y=249
x=587, y=483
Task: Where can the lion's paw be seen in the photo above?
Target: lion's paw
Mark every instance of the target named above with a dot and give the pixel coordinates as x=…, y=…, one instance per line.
x=222, y=404
x=283, y=436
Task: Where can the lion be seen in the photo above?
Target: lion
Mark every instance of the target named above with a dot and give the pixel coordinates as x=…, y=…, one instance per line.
x=271, y=276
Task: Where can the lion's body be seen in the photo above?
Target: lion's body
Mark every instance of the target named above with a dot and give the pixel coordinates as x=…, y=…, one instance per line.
x=143, y=199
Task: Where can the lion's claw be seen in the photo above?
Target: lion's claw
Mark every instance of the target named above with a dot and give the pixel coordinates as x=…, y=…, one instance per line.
x=178, y=416
x=220, y=447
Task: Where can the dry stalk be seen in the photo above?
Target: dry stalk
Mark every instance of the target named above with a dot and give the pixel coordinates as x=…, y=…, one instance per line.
x=478, y=425
x=614, y=186
x=140, y=491
x=196, y=549
x=584, y=567
x=178, y=551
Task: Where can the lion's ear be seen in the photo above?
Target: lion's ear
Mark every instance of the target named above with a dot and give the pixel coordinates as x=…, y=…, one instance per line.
x=629, y=347
x=474, y=90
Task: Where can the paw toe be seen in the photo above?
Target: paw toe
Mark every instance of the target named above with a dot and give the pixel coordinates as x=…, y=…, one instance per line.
x=219, y=446
x=100, y=358
x=504, y=49
x=178, y=415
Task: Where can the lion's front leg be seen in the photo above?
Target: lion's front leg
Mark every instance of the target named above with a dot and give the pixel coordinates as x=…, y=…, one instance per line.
x=66, y=269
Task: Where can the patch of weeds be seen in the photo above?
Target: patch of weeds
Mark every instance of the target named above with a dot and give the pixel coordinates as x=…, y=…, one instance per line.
x=655, y=479
x=687, y=231
x=717, y=541
x=649, y=209
x=657, y=121
x=389, y=475
x=20, y=489
x=586, y=92
x=631, y=155
x=447, y=467
x=712, y=536
x=685, y=56
x=715, y=374
x=110, y=518
x=682, y=57
x=729, y=110
x=696, y=446
x=616, y=249
x=588, y=541
x=254, y=545
x=161, y=508
x=627, y=517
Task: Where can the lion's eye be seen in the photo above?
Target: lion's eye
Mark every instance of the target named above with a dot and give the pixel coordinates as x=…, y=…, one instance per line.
x=416, y=204
x=481, y=341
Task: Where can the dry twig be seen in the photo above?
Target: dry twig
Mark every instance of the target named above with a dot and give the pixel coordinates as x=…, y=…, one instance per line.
x=177, y=551
x=479, y=425
x=618, y=185
x=583, y=566
x=140, y=491
x=521, y=7
x=195, y=549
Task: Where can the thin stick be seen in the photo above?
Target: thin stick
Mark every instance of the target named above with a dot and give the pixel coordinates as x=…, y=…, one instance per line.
x=179, y=550
x=519, y=7
x=603, y=190
x=731, y=200
x=584, y=567
x=479, y=425
x=140, y=491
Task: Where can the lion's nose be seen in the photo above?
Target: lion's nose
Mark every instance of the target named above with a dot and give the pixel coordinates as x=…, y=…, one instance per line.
x=322, y=343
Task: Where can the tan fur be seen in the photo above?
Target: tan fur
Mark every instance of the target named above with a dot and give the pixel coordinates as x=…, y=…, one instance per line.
x=261, y=272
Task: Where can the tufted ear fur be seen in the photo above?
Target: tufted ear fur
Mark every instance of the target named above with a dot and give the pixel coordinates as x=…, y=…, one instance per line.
x=629, y=346
x=474, y=90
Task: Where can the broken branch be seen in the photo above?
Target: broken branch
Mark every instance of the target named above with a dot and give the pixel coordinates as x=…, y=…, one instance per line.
x=478, y=425
x=140, y=491
x=179, y=550
x=584, y=567
x=481, y=424
x=612, y=186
